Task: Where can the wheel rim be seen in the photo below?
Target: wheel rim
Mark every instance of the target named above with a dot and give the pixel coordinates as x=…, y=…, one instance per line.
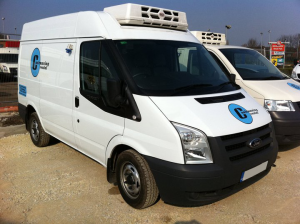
x=35, y=133
x=130, y=180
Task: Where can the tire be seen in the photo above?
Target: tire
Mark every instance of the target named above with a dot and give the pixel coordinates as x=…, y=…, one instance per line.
x=135, y=180
x=37, y=133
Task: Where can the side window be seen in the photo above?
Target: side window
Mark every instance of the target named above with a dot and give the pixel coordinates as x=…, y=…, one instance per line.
x=93, y=81
x=107, y=71
x=89, y=67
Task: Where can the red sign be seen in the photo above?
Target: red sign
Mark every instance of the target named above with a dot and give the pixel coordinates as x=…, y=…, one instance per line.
x=276, y=47
x=12, y=44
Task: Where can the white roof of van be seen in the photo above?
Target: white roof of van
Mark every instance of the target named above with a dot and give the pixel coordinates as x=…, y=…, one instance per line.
x=225, y=46
x=96, y=24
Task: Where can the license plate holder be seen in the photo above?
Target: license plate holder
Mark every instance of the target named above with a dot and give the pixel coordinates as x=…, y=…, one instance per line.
x=253, y=171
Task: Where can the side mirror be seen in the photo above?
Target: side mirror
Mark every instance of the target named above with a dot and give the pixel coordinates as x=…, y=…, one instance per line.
x=232, y=77
x=114, y=92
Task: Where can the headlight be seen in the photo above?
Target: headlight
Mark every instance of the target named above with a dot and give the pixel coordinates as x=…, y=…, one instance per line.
x=4, y=68
x=279, y=105
x=195, y=145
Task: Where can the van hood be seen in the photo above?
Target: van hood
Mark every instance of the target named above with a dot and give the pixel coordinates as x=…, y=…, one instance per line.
x=287, y=89
x=214, y=119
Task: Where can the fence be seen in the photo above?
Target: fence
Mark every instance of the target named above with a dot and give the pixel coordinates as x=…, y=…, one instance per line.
x=8, y=90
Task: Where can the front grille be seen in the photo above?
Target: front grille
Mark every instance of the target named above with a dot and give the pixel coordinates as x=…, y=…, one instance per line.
x=236, y=145
x=298, y=103
x=227, y=137
x=243, y=144
x=241, y=156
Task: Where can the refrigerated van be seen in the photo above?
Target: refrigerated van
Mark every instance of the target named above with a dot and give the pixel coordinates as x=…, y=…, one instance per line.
x=134, y=90
x=277, y=92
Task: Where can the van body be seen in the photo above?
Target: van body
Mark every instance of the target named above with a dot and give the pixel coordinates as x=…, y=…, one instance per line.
x=137, y=92
x=296, y=73
x=277, y=92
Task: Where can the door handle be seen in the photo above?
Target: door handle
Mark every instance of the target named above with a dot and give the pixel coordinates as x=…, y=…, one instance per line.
x=76, y=101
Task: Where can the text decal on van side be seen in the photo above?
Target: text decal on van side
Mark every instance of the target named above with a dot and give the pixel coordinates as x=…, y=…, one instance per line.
x=22, y=90
x=36, y=63
x=293, y=85
x=241, y=113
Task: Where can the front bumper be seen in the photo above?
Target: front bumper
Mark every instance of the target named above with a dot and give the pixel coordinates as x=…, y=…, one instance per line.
x=195, y=185
x=287, y=125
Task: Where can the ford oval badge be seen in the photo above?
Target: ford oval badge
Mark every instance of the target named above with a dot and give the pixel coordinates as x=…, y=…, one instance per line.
x=255, y=143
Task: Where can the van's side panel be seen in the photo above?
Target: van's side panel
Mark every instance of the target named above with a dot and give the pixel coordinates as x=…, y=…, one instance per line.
x=56, y=90
x=26, y=78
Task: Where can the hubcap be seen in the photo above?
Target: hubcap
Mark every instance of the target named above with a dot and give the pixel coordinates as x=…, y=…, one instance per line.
x=35, y=133
x=130, y=180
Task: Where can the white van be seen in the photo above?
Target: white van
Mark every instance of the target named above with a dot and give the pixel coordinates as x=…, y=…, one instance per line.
x=277, y=92
x=296, y=72
x=133, y=89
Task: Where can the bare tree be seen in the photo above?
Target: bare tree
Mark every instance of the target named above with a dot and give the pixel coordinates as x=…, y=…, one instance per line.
x=252, y=43
x=293, y=39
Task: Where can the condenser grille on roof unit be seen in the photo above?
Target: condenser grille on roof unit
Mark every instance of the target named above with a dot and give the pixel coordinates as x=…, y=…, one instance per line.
x=133, y=14
x=210, y=38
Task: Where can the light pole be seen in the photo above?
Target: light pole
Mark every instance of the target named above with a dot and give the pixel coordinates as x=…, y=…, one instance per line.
x=298, y=49
x=3, y=18
x=269, y=35
x=15, y=30
x=261, y=42
x=227, y=28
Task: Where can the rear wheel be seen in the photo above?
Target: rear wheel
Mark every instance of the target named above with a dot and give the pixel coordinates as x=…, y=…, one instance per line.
x=38, y=135
x=135, y=180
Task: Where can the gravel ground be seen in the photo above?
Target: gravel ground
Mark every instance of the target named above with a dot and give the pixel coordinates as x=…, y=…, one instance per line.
x=57, y=184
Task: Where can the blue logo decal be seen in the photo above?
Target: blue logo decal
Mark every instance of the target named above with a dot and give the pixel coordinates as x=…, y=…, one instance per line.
x=35, y=62
x=294, y=86
x=22, y=90
x=240, y=113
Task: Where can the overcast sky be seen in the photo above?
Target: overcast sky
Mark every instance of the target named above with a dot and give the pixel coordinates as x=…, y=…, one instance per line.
x=248, y=18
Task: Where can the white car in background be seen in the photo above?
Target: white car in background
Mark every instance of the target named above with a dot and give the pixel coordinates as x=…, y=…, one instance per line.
x=296, y=73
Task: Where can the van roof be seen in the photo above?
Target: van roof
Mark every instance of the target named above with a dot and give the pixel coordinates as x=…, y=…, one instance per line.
x=107, y=25
x=225, y=46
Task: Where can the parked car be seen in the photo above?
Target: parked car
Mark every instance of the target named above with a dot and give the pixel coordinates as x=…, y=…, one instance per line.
x=277, y=92
x=138, y=93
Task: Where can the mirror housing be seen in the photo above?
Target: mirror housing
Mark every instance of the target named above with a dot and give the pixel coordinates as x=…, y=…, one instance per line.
x=114, y=92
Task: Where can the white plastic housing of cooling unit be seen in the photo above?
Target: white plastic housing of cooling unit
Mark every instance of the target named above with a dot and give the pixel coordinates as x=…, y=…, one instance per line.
x=210, y=37
x=134, y=14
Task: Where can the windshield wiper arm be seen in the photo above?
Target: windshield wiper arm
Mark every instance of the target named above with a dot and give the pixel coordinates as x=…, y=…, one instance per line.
x=185, y=88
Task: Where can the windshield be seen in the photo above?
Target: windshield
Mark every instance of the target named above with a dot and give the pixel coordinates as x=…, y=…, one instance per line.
x=164, y=68
x=251, y=65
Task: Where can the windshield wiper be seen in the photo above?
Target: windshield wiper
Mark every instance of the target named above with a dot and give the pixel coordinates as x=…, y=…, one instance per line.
x=185, y=88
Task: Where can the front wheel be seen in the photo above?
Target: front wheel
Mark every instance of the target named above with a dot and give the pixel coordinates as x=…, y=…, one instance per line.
x=37, y=133
x=135, y=180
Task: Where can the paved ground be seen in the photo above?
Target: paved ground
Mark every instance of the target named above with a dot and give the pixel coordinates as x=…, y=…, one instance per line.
x=57, y=184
